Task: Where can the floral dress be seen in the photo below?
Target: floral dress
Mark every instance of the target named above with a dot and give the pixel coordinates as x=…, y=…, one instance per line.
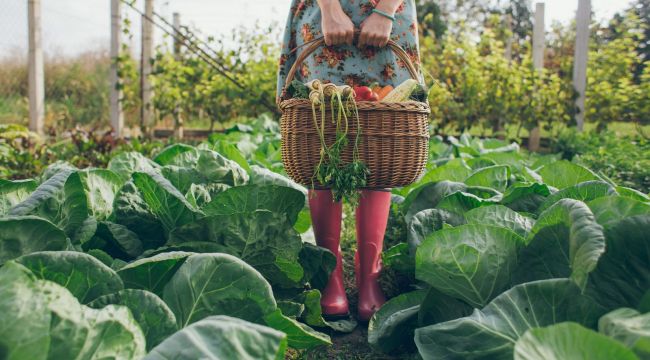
x=345, y=64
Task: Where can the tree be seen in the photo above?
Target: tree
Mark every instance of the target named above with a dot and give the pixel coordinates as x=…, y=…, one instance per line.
x=617, y=28
x=430, y=18
x=463, y=16
x=642, y=10
x=612, y=92
x=473, y=17
x=522, y=25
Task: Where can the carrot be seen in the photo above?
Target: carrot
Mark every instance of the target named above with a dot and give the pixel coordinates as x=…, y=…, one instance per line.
x=381, y=93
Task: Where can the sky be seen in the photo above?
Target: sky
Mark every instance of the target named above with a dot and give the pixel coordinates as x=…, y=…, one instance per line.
x=73, y=26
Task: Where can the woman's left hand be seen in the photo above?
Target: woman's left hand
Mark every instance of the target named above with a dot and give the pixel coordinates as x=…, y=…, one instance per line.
x=375, y=31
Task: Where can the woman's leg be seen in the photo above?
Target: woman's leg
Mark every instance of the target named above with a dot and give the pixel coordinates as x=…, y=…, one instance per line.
x=372, y=217
x=326, y=221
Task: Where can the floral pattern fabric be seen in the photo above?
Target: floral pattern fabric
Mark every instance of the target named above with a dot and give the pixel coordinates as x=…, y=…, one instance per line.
x=345, y=64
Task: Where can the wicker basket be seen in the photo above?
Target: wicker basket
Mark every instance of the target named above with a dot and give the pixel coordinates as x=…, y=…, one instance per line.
x=394, y=141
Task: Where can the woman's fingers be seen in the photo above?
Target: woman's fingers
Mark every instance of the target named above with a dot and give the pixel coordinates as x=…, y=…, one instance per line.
x=335, y=38
x=363, y=38
x=383, y=41
x=380, y=38
x=349, y=37
x=376, y=39
x=331, y=38
x=367, y=38
x=328, y=39
x=374, y=32
x=339, y=37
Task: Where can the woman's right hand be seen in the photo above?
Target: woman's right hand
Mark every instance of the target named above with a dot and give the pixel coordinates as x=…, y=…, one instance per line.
x=336, y=24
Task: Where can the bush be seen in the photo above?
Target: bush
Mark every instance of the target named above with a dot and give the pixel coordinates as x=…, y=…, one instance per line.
x=189, y=84
x=24, y=154
x=478, y=88
x=612, y=92
x=624, y=159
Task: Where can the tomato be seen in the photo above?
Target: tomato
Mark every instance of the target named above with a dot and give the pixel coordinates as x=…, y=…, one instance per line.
x=362, y=93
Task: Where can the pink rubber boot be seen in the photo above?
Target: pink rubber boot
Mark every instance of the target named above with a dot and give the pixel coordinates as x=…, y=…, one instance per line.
x=372, y=217
x=326, y=221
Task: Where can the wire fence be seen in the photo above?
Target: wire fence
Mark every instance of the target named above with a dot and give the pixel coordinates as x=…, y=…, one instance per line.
x=75, y=63
x=76, y=39
x=208, y=80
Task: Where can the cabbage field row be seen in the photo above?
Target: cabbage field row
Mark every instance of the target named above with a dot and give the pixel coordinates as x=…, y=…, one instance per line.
x=206, y=251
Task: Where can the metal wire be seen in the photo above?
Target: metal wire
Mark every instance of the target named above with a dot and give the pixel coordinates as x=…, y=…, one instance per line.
x=198, y=51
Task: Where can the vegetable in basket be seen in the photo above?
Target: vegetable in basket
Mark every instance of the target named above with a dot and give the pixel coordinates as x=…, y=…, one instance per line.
x=408, y=90
x=343, y=179
x=364, y=93
x=383, y=91
x=331, y=172
x=298, y=90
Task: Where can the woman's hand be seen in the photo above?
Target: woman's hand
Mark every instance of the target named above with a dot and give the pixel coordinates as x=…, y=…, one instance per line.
x=336, y=25
x=376, y=29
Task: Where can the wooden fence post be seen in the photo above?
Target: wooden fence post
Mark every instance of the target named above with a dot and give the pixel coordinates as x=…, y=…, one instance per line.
x=147, y=109
x=538, y=62
x=509, y=42
x=581, y=57
x=36, y=71
x=116, y=114
x=178, y=111
x=177, y=29
x=538, y=37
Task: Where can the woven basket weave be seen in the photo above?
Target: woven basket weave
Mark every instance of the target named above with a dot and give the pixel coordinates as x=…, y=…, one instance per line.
x=394, y=141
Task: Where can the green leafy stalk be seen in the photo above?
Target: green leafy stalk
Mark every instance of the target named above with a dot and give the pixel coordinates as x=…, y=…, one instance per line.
x=343, y=179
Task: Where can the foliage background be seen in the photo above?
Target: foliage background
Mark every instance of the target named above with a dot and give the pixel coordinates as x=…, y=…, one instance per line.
x=474, y=86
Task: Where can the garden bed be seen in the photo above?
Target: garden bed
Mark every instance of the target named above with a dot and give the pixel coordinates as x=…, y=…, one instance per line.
x=494, y=253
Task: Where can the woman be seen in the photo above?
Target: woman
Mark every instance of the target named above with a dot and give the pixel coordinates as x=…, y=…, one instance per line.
x=343, y=61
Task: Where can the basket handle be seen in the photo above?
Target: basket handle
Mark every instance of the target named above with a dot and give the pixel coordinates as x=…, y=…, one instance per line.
x=317, y=43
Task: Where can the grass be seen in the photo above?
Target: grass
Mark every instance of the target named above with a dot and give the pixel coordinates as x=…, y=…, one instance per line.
x=76, y=89
x=14, y=110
